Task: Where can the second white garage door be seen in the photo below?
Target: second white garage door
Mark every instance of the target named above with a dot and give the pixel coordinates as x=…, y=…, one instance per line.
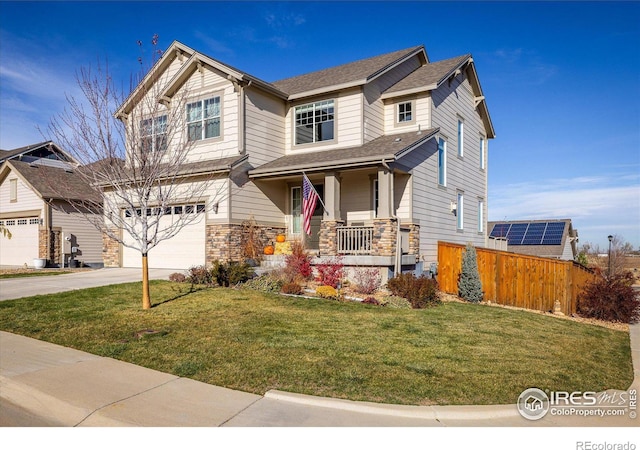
x=184, y=250
x=22, y=247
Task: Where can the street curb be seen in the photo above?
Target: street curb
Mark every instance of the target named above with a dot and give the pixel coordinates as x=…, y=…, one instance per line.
x=405, y=411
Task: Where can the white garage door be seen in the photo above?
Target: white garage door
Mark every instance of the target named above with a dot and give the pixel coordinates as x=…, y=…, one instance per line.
x=184, y=250
x=22, y=247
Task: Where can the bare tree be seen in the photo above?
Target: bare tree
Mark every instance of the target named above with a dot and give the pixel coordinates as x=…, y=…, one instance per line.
x=138, y=159
x=605, y=261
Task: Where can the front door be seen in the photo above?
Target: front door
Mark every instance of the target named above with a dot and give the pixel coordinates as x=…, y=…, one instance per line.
x=296, y=227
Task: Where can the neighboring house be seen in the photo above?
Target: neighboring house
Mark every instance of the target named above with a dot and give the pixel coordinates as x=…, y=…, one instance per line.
x=33, y=181
x=395, y=145
x=545, y=238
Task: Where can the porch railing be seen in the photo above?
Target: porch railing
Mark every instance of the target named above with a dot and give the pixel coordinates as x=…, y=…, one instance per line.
x=354, y=240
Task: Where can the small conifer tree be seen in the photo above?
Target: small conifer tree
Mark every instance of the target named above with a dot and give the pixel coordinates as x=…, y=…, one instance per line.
x=469, y=285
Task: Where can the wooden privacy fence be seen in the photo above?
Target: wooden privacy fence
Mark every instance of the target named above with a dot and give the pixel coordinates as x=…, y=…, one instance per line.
x=516, y=280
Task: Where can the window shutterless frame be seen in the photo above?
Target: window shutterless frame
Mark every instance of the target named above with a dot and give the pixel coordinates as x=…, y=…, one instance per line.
x=314, y=122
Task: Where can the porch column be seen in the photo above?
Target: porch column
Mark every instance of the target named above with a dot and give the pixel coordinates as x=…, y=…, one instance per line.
x=385, y=193
x=332, y=196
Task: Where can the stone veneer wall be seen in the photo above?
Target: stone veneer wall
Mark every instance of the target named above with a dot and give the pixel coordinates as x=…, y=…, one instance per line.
x=384, y=237
x=328, y=242
x=225, y=242
x=110, y=251
x=414, y=238
x=49, y=245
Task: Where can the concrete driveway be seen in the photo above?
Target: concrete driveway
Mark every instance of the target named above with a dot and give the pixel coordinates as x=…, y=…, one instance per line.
x=27, y=286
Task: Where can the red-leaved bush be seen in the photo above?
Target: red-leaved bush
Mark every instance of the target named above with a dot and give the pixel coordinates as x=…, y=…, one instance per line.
x=612, y=299
x=330, y=273
x=298, y=263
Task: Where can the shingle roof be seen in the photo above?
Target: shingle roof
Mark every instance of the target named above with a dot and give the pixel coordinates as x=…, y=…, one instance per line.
x=386, y=147
x=347, y=73
x=429, y=75
x=56, y=183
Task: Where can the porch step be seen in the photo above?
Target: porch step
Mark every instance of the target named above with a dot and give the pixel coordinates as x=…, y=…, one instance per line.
x=270, y=263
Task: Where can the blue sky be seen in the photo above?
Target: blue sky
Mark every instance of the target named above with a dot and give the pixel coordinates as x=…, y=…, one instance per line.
x=562, y=79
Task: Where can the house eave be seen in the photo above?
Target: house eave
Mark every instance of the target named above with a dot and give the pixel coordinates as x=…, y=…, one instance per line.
x=299, y=168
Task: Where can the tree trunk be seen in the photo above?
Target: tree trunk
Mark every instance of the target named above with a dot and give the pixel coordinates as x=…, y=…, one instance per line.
x=146, y=297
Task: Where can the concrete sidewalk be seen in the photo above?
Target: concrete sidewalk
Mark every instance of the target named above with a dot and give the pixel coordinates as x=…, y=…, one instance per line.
x=11, y=288
x=45, y=384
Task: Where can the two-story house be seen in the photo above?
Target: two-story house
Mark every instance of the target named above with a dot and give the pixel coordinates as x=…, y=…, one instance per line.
x=39, y=188
x=395, y=145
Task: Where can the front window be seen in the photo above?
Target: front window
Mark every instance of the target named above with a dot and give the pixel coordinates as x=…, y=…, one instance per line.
x=203, y=119
x=296, y=210
x=153, y=134
x=314, y=122
x=442, y=162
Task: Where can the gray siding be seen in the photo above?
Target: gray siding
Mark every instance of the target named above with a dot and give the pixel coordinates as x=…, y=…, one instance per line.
x=87, y=237
x=265, y=141
x=374, y=106
x=431, y=202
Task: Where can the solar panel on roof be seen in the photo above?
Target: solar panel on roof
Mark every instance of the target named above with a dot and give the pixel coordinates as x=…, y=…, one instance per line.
x=516, y=233
x=531, y=233
x=553, y=234
x=534, y=233
x=500, y=230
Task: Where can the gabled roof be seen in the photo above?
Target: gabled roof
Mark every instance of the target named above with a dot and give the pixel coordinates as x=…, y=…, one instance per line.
x=52, y=182
x=431, y=76
x=355, y=73
x=26, y=150
x=193, y=60
x=386, y=148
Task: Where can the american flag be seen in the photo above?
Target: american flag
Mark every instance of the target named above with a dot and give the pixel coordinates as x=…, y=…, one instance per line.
x=309, y=200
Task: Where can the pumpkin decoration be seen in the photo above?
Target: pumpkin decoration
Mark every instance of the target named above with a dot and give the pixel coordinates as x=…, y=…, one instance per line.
x=280, y=238
x=268, y=250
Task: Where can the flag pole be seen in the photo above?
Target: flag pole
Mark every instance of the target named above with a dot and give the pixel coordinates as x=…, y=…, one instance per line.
x=314, y=190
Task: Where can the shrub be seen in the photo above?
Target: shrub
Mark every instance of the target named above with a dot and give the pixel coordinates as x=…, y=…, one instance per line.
x=393, y=301
x=298, y=263
x=265, y=283
x=292, y=288
x=177, y=277
x=226, y=274
x=366, y=280
x=199, y=275
x=612, y=299
x=330, y=273
x=327, y=292
x=469, y=285
x=420, y=291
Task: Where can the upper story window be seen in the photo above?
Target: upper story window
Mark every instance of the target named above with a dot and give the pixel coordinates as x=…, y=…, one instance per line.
x=442, y=162
x=405, y=113
x=314, y=122
x=460, y=137
x=483, y=150
x=203, y=119
x=153, y=134
x=13, y=190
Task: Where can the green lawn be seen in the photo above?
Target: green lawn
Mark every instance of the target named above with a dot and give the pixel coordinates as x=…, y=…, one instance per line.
x=34, y=273
x=452, y=354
